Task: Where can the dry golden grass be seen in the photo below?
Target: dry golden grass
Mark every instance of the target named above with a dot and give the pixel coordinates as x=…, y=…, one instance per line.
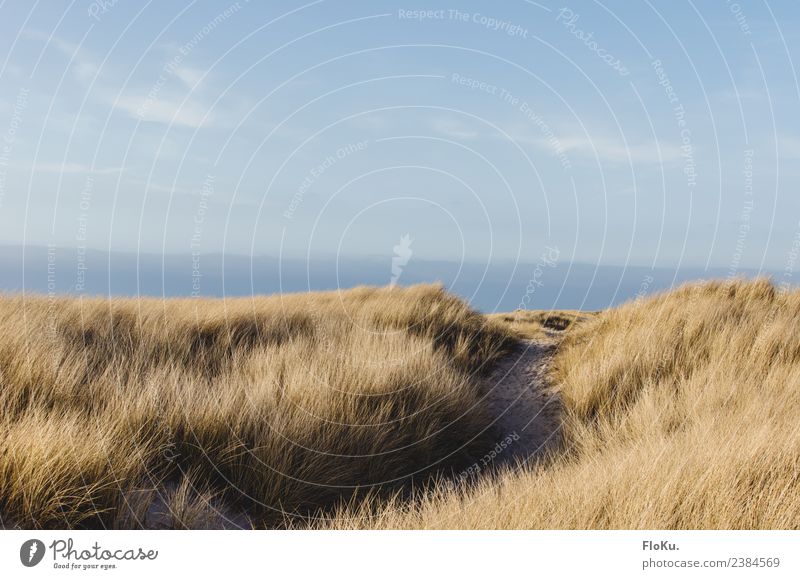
x=540, y=324
x=112, y=412
x=681, y=411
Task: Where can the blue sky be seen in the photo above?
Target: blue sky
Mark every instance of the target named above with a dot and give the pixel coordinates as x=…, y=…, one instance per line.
x=655, y=133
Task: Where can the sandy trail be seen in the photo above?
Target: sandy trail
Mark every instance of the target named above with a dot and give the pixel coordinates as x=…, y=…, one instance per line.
x=526, y=408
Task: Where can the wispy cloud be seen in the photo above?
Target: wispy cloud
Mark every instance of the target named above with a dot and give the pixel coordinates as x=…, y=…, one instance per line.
x=607, y=149
x=161, y=188
x=162, y=109
x=66, y=47
x=155, y=105
x=454, y=129
x=620, y=152
x=83, y=65
x=191, y=77
x=73, y=168
x=751, y=93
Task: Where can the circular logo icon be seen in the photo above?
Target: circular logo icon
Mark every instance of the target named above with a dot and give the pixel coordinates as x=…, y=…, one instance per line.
x=31, y=552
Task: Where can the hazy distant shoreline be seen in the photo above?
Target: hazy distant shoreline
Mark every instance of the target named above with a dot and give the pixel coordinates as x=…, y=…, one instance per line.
x=497, y=288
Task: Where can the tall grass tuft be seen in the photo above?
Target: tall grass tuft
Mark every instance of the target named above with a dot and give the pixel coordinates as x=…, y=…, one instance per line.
x=274, y=407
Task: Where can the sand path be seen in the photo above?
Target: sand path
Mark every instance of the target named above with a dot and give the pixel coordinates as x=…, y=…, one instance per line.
x=526, y=408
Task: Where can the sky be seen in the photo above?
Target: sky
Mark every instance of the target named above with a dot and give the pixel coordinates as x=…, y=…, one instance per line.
x=658, y=134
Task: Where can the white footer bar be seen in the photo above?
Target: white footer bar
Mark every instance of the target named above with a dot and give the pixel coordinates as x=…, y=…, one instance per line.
x=354, y=554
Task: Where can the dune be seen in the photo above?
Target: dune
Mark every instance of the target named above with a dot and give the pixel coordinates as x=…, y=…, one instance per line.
x=183, y=413
x=390, y=408
x=680, y=411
